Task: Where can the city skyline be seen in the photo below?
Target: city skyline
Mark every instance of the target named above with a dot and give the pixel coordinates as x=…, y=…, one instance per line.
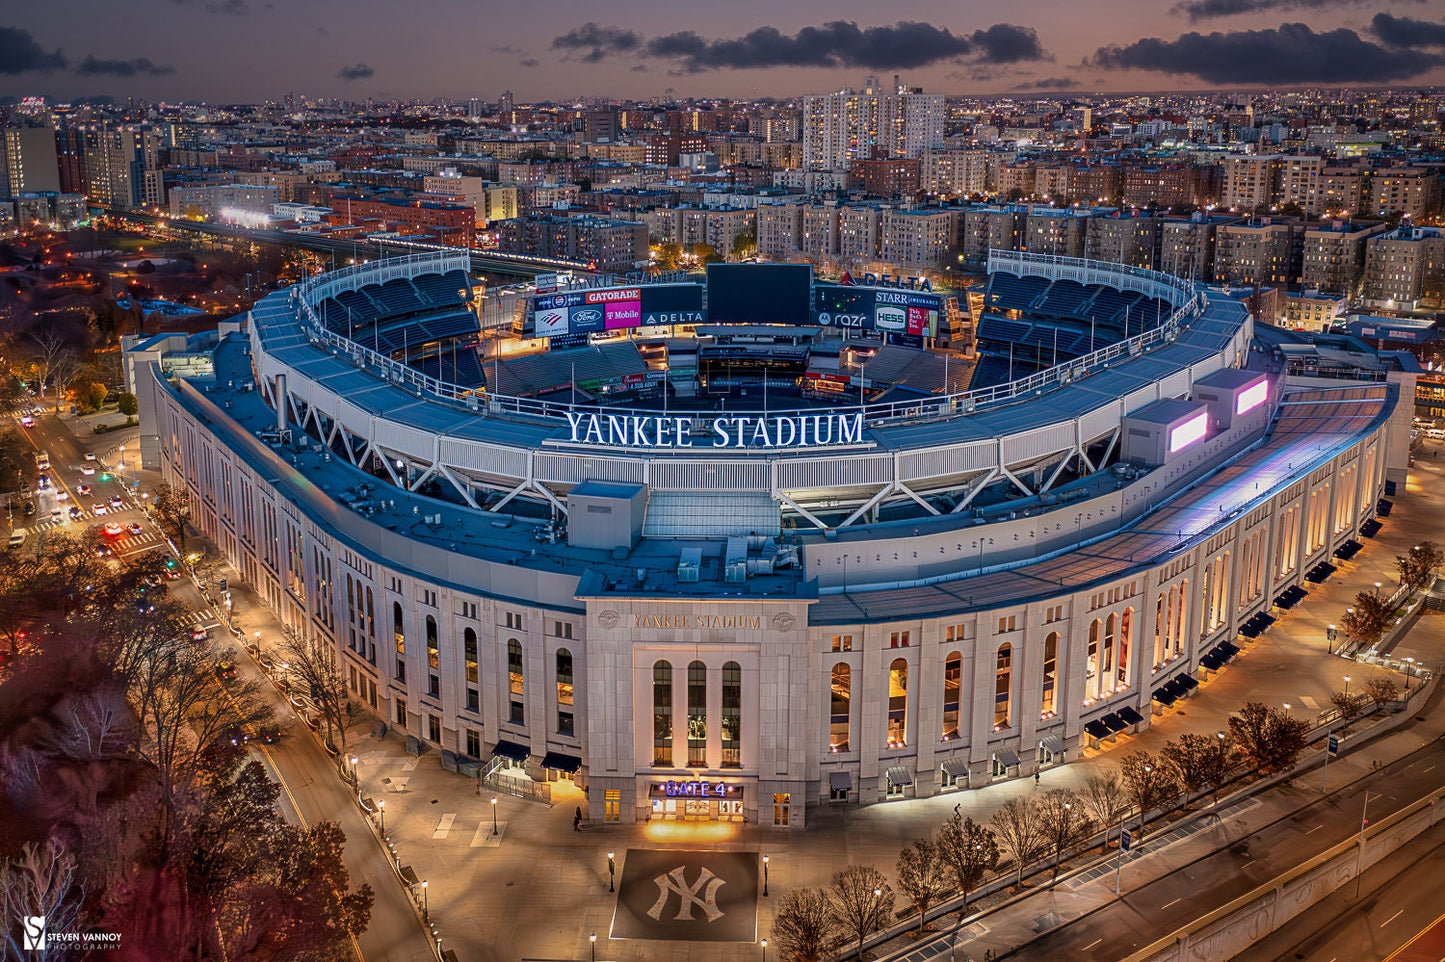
x=240, y=51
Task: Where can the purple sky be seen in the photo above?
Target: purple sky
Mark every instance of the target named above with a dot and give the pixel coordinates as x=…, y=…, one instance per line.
x=250, y=50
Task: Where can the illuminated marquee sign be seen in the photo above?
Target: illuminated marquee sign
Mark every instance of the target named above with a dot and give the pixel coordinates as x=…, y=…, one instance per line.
x=783, y=432
x=697, y=789
x=1251, y=397
x=1188, y=432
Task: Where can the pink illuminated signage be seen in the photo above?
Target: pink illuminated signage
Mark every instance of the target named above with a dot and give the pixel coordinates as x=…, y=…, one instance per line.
x=1188, y=432
x=1251, y=397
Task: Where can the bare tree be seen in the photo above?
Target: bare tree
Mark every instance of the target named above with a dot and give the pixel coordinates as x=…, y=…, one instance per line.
x=1104, y=799
x=51, y=352
x=1349, y=706
x=922, y=877
x=1146, y=782
x=969, y=850
x=1269, y=739
x=172, y=511
x=39, y=884
x=313, y=668
x=1020, y=830
x=1381, y=689
x=1197, y=761
x=1066, y=823
x=860, y=901
x=804, y=929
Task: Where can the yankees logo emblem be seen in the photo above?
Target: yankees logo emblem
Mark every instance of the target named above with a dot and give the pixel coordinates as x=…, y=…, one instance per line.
x=676, y=882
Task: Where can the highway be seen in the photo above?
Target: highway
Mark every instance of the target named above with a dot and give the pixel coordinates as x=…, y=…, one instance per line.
x=1150, y=912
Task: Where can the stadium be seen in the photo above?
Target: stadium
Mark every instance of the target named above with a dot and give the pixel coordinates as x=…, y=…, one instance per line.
x=726, y=548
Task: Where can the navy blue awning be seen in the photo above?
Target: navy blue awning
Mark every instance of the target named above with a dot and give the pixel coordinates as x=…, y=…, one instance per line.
x=559, y=762
x=1164, y=696
x=1113, y=722
x=1096, y=729
x=511, y=751
x=1211, y=661
x=1187, y=682
x=1129, y=716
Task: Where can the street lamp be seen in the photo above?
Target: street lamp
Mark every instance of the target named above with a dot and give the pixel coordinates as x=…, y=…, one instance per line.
x=425, y=905
x=765, y=876
x=593, y=939
x=381, y=812
x=1364, y=820
x=494, y=816
x=1347, y=686
x=1409, y=674
x=765, y=950
x=611, y=872
x=355, y=774
x=1330, y=637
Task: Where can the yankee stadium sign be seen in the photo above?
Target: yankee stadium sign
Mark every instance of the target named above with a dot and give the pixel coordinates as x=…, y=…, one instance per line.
x=782, y=432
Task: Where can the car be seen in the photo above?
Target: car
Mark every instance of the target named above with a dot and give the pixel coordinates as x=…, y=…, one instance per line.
x=236, y=735
x=199, y=633
x=83, y=490
x=87, y=470
x=25, y=490
x=56, y=516
x=27, y=422
x=98, y=508
x=172, y=574
x=269, y=734
x=104, y=551
x=116, y=504
x=90, y=455
x=225, y=670
x=113, y=530
x=144, y=606
x=75, y=513
x=62, y=495
x=134, y=527
x=43, y=482
x=29, y=509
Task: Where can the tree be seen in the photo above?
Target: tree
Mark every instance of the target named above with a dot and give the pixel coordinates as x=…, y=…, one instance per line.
x=969, y=850
x=1146, y=783
x=172, y=510
x=804, y=929
x=1198, y=761
x=704, y=254
x=41, y=881
x=1381, y=689
x=1349, y=706
x=1103, y=798
x=128, y=405
x=90, y=395
x=860, y=901
x=51, y=352
x=1269, y=739
x=744, y=244
x=1066, y=823
x=668, y=255
x=1020, y=830
x=313, y=667
x=1368, y=620
x=922, y=877
x=1418, y=565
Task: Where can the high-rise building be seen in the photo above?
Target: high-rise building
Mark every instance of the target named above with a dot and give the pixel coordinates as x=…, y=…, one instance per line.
x=954, y=173
x=1249, y=181
x=122, y=166
x=1403, y=266
x=505, y=104
x=847, y=126
x=30, y=161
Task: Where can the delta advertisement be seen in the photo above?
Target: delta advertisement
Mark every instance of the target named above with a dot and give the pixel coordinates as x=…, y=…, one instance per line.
x=878, y=309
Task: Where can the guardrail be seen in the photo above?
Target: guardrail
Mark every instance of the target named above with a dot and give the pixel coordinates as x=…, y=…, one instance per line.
x=1190, y=301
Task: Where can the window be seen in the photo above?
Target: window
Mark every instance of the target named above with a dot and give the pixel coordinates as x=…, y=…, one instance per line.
x=782, y=808
x=697, y=714
x=898, y=639
x=842, y=642
x=1002, y=680
x=474, y=700
x=1051, y=666
x=514, y=620
x=401, y=713
x=434, y=728
x=732, y=722
x=429, y=597
x=474, y=744
x=952, y=686
x=562, y=629
x=898, y=704
x=613, y=809
x=394, y=583
x=514, y=681
x=1053, y=613
x=839, y=712
x=1126, y=631
x=1007, y=623
x=432, y=653
x=662, y=714
x=564, y=692
x=469, y=654
x=434, y=686
x=398, y=632
x=469, y=610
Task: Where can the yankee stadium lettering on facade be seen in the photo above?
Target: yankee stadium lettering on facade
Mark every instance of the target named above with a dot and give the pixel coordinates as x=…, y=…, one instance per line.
x=730, y=431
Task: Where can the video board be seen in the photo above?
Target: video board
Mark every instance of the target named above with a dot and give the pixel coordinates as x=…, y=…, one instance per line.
x=759, y=293
x=892, y=311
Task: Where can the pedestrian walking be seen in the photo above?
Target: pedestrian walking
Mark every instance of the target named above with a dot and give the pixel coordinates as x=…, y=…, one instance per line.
x=957, y=807
x=577, y=820
x=1037, y=779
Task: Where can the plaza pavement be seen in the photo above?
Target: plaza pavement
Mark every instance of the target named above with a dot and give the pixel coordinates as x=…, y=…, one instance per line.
x=537, y=891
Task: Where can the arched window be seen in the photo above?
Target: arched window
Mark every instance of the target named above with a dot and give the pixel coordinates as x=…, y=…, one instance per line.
x=732, y=715
x=662, y=714
x=898, y=703
x=565, y=692
x=1182, y=618
x=399, y=635
x=841, y=705
x=1051, y=673
x=1091, y=664
x=514, y=681
x=952, y=685
x=1159, y=655
x=432, y=654
x=697, y=714
x=469, y=654
x=1002, y=686
x=1126, y=635
x=1111, y=635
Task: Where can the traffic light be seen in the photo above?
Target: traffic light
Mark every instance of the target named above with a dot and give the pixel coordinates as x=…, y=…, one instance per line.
x=105, y=477
x=171, y=563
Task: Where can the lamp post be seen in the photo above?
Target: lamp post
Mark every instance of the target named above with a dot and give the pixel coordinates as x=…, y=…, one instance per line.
x=1364, y=820
x=1330, y=637
x=1347, y=686
x=425, y=905
x=765, y=876
x=381, y=813
x=765, y=950
x=593, y=946
x=355, y=774
x=611, y=872
x=1409, y=674
x=494, y=816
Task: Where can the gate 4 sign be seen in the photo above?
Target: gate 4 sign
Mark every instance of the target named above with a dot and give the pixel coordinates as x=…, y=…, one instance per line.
x=687, y=896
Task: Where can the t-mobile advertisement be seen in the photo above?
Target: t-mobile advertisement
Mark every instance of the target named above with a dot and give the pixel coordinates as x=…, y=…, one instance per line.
x=623, y=314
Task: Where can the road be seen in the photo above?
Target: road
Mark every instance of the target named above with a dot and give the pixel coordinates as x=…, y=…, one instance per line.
x=1400, y=901
x=1147, y=913
x=310, y=787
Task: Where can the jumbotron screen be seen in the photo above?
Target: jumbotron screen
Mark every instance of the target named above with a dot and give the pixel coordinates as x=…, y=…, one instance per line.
x=759, y=293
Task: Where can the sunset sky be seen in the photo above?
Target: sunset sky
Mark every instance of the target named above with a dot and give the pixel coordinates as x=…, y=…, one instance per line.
x=249, y=50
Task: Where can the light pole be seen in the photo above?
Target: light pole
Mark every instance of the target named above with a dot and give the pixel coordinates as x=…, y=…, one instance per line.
x=355, y=774
x=1409, y=675
x=1364, y=820
x=765, y=950
x=1347, y=686
x=425, y=905
x=381, y=813
x=593, y=940
x=1330, y=637
x=611, y=872
x=494, y=816
x=765, y=876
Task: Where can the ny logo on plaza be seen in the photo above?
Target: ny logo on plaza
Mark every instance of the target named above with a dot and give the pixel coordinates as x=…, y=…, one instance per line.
x=688, y=895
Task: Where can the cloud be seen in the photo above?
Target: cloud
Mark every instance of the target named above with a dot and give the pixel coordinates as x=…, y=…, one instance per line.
x=592, y=43
x=529, y=62
x=1198, y=10
x=1291, y=53
x=19, y=53
x=1408, y=32
x=1049, y=83
x=357, y=71
x=140, y=66
x=842, y=43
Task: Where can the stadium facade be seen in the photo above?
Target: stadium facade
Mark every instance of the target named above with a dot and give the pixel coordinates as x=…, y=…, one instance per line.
x=736, y=615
